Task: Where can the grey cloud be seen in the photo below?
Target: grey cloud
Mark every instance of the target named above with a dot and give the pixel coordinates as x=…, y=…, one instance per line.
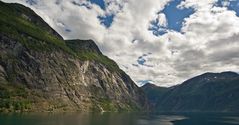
x=225, y=55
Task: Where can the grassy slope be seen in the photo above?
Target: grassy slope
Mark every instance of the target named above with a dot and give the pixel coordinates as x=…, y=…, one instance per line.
x=21, y=24
x=15, y=24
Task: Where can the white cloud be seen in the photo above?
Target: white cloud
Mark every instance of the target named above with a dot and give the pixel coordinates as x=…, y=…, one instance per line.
x=209, y=42
x=162, y=20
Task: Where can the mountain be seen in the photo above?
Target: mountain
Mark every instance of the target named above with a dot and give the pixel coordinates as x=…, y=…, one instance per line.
x=209, y=92
x=39, y=71
x=154, y=93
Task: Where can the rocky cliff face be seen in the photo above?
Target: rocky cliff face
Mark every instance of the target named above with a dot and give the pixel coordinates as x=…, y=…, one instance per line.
x=39, y=71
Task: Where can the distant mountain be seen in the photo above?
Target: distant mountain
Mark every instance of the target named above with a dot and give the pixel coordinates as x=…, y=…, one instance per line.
x=209, y=92
x=39, y=71
x=154, y=93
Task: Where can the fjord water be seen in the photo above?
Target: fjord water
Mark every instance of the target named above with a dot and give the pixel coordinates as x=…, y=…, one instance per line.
x=120, y=119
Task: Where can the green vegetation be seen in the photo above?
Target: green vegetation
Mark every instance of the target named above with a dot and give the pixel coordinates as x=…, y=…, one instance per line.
x=88, y=50
x=106, y=105
x=110, y=64
x=21, y=25
x=17, y=98
x=13, y=98
x=16, y=25
x=35, y=35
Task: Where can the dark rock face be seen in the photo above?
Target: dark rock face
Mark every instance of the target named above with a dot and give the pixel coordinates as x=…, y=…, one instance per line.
x=209, y=92
x=39, y=71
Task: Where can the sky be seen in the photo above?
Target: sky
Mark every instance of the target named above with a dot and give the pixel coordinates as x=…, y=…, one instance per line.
x=164, y=42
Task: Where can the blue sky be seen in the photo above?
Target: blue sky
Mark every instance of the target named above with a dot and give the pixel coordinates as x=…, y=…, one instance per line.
x=145, y=37
x=175, y=17
x=233, y=5
x=100, y=3
x=107, y=19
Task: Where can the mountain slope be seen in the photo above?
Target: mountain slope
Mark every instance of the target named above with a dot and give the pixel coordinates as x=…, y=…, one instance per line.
x=154, y=93
x=39, y=71
x=210, y=92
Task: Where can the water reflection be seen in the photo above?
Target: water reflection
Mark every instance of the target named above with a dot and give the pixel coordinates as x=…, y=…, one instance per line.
x=118, y=119
x=231, y=120
x=160, y=120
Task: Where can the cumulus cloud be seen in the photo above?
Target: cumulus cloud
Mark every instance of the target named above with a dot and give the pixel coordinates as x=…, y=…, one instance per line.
x=162, y=20
x=208, y=40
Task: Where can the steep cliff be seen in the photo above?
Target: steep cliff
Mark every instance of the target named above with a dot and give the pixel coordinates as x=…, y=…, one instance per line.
x=39, y=71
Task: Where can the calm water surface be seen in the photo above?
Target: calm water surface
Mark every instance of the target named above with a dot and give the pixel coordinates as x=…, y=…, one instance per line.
x=120, y=119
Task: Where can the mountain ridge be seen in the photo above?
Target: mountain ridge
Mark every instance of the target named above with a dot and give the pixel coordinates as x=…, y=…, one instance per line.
x=208, y=92
x=41, y=72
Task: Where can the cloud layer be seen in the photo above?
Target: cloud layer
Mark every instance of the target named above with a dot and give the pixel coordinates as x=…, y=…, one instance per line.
x=208, y=40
